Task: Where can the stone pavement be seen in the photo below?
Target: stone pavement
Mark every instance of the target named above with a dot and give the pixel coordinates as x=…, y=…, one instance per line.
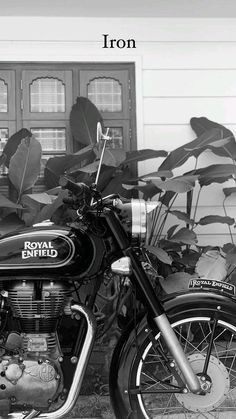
x=92, y=407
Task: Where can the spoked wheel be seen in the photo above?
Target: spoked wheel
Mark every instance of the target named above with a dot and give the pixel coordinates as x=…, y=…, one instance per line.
x=210, y=345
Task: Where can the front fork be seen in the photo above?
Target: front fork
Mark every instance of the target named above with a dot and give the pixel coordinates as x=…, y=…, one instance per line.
x=154, y=306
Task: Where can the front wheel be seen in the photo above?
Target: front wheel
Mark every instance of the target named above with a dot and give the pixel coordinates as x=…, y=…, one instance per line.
x=154, y=391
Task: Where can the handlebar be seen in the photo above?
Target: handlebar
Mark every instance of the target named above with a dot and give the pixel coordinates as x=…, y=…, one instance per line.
x=76, y=188
x=83, y=193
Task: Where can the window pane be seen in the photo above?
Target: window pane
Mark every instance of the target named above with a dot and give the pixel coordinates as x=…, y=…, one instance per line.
x=3, y=96
x=51, y=139
x=4, y=135
x=47, y=95
x=117, y=137
x=106, y=94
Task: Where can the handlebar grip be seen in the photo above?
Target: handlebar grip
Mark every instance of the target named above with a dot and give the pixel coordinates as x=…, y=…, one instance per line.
x=75, y=188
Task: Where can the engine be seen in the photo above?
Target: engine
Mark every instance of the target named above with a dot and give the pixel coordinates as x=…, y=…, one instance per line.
x=30, y=353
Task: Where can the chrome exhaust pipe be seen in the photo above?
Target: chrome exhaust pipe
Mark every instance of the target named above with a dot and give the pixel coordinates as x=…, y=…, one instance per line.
x=83, y=359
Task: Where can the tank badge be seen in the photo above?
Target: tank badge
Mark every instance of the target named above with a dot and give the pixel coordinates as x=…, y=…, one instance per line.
x=38, y=249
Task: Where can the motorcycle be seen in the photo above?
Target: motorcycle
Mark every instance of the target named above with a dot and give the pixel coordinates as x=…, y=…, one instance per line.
x=177, y=357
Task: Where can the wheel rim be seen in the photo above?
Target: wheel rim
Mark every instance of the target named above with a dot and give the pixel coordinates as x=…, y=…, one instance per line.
x=152, y=378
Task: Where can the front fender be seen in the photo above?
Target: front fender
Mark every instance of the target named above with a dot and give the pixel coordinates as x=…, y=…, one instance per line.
x=176, y=306
x=199, y=301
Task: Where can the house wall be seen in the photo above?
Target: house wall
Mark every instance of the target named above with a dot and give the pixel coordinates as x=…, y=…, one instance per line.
x=184, y=68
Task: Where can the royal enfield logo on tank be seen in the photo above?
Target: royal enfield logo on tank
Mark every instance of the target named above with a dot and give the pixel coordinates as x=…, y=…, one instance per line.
x=38, y=249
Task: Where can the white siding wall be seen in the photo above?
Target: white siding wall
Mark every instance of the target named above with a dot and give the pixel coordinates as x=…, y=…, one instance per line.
x=184, y=68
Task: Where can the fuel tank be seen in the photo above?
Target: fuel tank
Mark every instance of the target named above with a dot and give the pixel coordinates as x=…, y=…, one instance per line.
x=49, y=249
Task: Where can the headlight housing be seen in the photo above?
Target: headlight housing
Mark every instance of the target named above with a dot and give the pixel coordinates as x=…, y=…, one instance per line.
x=137, y=217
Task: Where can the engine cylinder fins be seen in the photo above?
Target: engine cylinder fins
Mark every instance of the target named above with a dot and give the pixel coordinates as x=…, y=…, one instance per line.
x=42, y=325
x=38, y=306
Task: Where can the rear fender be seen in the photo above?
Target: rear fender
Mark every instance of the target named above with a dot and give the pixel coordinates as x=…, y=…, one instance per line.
x=176, y=306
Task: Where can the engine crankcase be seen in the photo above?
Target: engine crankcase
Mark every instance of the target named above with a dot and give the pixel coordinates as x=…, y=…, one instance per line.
x=30, y=382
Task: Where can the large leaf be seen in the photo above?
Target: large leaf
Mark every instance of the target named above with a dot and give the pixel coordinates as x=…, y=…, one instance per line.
x=188, y=258
x=202, y=124
x=157, y=174
x=106, y=175
x=230, y=251
x=57, y=166
x=90, y=168
x=141, y=155
x=181, y=154
x=182, y=216
x=211, y=219
x=48, y=211
x=229, y=191
x=212, y=265
x=170, y=246
x=167, y=197
x=176, y=282
x=81, y=158
x=114, y=184
x=179, y=184
x=12, y=144
x=6, y=203
x=161, y=254
x=171, y=231
x=218, y=173
x=10, y=223
x=112, y=157
x=24, y=166
x=39, y=207
x=33, y=204
x=41, y=198
x=84, y=117
x=229, y=247
x=215, y=144
x=149, y=190
x=184, y=236
x=147, y=177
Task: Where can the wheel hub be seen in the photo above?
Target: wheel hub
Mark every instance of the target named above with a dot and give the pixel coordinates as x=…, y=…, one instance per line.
x=205, y=383
x=215, y=385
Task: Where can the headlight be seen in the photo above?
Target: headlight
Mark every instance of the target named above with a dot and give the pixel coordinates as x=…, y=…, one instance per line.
x=137, y=217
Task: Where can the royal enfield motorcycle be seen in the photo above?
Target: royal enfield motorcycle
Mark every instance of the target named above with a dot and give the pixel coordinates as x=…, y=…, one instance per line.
x=177, y=357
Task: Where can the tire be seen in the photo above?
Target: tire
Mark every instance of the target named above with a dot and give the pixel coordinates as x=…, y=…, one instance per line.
x=151, y=387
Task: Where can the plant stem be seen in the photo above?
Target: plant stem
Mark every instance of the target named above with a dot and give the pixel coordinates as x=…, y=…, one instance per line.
x=154, y=223
x=233, y=176
x=229, y=227
x=230, y=273
x=162, y=224
x=196, y=206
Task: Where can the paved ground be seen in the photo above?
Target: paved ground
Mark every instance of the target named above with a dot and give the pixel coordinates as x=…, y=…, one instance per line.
x=91, y=407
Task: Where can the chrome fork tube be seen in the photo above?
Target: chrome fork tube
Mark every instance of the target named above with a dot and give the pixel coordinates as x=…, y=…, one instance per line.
x=177, y=353
x=83, y=359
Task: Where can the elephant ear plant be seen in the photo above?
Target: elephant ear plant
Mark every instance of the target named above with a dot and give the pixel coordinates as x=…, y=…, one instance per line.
x=81, y=166
x=22, y=157
x=173, y=246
